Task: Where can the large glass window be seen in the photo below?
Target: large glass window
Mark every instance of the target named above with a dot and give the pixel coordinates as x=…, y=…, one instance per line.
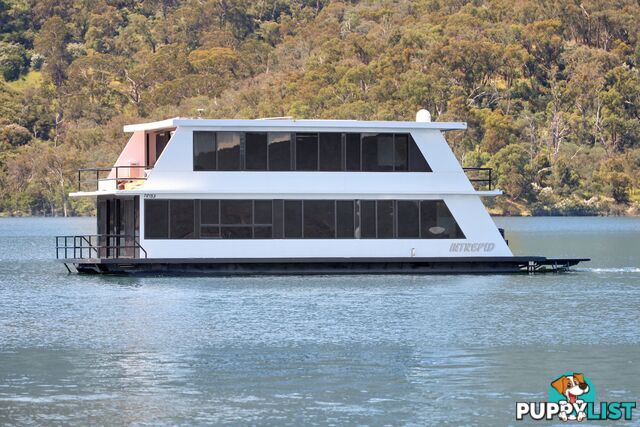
x=345, y=219
x=236, y=219
x=436, y=221
x=368, y=219
x=228, y=151
x=156, y=219
x=352, y=151
x=384, y=219
x=319, y=219
x=401, y=152
x=204, y=151
x=408, y=219
x=296, y=219
x=325, y=151
x=209, y=219
x=182, y=221
x=330, y=151
x=307, y=151
x=292, y=219
x=377, y=152
x=256, y=151
x=279, y=151
x=235, y=212
x=417, y=162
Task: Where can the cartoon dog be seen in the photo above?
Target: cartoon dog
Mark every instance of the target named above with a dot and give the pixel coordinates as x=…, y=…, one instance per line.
x=571, y=386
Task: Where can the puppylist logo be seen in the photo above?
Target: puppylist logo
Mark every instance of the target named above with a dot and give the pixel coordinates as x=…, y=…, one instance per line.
x=572, y=397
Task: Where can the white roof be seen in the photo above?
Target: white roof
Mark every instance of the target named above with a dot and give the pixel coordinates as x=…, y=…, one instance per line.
x=309, y=125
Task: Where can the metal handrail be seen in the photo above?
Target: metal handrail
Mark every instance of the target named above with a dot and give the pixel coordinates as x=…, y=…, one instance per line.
x=116, y=178
x=487, y=180
x=78, y=244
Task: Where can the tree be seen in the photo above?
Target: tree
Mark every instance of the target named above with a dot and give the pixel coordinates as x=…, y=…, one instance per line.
x=13, y=60
x=51, y=42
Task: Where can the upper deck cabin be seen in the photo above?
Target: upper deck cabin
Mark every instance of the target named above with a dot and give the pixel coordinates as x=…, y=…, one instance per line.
x=178, y=155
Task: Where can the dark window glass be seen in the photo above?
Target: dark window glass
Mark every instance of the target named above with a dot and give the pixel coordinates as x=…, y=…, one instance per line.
x=352, y=151
x=181, y=219
x=377, y=152
x=228, y=151
x=292, y=219
x=278, y=219
x=319, y=219
x=417, y=162
x=209, y=232
x=344, y=211
x=401, y=154
x=385, y=219
x=162, y=139
x=156, y=219
x=262, y=232
x=235, y=232
x=209, y=212
x=368, y=219
x=256, y=151
x=279, y=151
x=330, y=151
x=204, y=151
x=408, y=219
x=437, y=222
x=307, y=151
x=235, y=212
x=262, y=212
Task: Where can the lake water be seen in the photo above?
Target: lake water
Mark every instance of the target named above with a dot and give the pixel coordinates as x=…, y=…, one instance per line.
x=418, y=350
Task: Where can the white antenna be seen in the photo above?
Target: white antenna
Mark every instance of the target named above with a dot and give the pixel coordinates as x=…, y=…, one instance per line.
x=423, y=116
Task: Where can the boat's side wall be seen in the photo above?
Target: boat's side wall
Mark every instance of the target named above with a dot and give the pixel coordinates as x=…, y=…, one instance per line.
x=173, y=178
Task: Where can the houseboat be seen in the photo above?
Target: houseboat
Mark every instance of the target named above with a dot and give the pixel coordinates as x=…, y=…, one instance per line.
x=284, y=196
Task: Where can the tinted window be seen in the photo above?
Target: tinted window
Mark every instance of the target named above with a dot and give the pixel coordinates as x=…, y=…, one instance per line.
x=236, y=232
x=156, y=219
x=319, y=219
x=385, y=219
x=436, y=221
x=352, y=151
x=204, y=151
x=417, y=162
x=401, y=152
x=377, y=152
x=262, y=212
x=408, y=219
x=181, y=219
x=368, y=219
x=278, y=219
x=210, y=232
x=262, y=232
x=307, y=151
x=345, y=224
x=256, y=151
x=235, y=212
x=228, y=151
x=330, y=151
x=209, y=212
x=292, y=219
x=279, y=151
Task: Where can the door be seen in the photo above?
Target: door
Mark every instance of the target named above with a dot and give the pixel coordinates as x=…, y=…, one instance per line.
x=118, y=227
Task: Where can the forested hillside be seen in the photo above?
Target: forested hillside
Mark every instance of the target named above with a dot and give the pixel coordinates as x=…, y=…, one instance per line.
x=550, y=89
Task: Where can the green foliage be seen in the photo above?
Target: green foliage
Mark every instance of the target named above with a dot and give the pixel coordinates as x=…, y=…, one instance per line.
x=13, y=60
x=550, y=91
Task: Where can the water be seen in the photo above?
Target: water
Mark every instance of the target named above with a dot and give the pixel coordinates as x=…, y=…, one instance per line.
x=78, y=350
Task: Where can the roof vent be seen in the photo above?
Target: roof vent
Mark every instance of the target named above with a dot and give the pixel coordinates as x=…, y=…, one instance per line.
x=423, y=116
